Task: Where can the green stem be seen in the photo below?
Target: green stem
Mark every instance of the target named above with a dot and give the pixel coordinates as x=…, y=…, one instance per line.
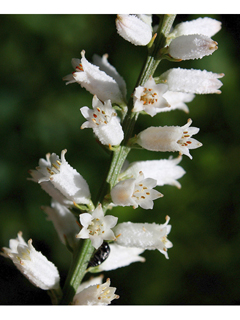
x=83, y=253
x=80, y=259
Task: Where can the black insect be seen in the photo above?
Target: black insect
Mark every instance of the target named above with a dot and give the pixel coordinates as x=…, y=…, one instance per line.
x=100, y=255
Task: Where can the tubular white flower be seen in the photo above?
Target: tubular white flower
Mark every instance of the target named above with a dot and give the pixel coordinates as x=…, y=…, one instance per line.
x=193, y=46
x=165, y=171
x=177, y=100
x=64, y=178
x=92, y=281
x=95, y=81
x=104, y=65
x=120, y=257
x=98, y=294
x=33, y=264
x=149, y=98
x=173, y=138
x=133, y=29
x=135, y=192
x=97, y=227
x=148, y=236
x=206, y=26
x=64, y=222
x=192, y=81
x=104, y=122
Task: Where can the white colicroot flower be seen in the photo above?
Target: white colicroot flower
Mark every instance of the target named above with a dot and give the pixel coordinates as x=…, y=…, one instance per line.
x=165, y=171
x=33, y=264
x=135, y=192
x=61, y=176
x=134, y=29
x=149, y=98
x=97, y=227
x=192, y=81
x=148, y=236
x=96, y=294
x=104, y=122
x=96, y=81
x=169, y=138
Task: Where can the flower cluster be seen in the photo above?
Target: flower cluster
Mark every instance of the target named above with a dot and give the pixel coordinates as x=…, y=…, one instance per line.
x=112, y=120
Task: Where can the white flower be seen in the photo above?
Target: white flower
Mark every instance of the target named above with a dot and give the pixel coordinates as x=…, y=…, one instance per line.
x=177, y=100
x=64, y=222
x=95, y=81
x=97, y=227
x=169, y=138
x=63, y=177
x=92, y=281
x=33, y=264
x=104, y=122
x=135, y=192
x=104, y=65
x=193, y=46
x=98, y=294
x=120, y=257
x=165, y=171
x=133, y=29
x=148, y=236
x=149, y=98
x=192, y=81
x=206, y=26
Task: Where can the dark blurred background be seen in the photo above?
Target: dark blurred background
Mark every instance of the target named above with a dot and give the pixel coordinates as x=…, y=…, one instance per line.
x=40, y=114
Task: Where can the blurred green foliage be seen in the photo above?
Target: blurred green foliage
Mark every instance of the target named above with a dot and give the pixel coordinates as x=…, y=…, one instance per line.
x=40, y=114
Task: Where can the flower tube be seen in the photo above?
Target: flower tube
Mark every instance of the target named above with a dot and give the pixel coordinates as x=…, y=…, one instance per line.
x=167, y=138
x=148, y=236
x=133, y=29
x=63, y=177
x=95, y=81
x=33, y=264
